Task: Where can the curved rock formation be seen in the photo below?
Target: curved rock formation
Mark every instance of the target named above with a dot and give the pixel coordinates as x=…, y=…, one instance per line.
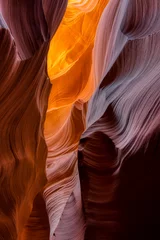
x=119, y=151
x=24, y=91
x=69, y=67
x=97, y=71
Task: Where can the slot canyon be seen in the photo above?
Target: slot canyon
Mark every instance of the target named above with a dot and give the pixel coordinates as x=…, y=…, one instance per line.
x=79, y=119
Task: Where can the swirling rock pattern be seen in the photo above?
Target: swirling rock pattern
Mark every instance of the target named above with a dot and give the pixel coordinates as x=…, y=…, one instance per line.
x=69, y=67
x=119, y=151
x=94, y=71
x=24, y=91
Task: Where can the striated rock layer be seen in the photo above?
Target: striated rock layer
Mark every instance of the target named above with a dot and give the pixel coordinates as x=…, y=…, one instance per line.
x=119, y=150
x=69, y=68
x=94, y=71
x=25, y=30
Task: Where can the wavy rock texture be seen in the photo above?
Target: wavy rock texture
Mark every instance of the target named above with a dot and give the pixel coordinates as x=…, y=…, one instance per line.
x=119, y=151
x=97, y=71
x=69, y=67
x=26, y=28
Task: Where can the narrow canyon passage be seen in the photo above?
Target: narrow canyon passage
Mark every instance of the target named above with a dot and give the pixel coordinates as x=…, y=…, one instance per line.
x=79, y=119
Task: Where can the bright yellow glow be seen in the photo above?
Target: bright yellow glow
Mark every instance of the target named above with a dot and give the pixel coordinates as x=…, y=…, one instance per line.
x=69, y=68
x=74, y=35
x=71, y=73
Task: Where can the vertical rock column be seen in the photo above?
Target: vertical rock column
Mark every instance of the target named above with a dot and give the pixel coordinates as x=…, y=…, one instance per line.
x=26, y=29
